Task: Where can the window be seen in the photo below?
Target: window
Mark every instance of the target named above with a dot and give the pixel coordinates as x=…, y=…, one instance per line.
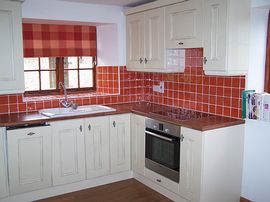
x=43, y=74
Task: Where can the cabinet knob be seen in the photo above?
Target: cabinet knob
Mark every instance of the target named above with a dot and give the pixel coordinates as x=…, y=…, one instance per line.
x=81, y=128
x=180, y=43
x=182, y=137
x=89, y=127
x=204, y=60
x=158, y=180
x=141, y=60
x=145, y=60
x=114, y=124
x=31, y=133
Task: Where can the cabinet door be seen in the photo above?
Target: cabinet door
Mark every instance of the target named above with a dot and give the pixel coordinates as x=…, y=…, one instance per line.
x=190, y=164
x=11, y=51
x=184, y=23
x=138, y=143
x=3, y=166
x=135, y=41
x=29, y=159
x=68, y=151
x=97, y=146
x=154, y=39
x=120, y=143
x=215, y=23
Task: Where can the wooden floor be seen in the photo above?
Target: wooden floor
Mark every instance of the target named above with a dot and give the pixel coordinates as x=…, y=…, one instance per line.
x=124, y=191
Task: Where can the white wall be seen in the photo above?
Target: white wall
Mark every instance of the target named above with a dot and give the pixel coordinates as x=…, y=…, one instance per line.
x=258, y=34
x=256, y=170
x=80, y=12
x=256, y=173
x=107, y=45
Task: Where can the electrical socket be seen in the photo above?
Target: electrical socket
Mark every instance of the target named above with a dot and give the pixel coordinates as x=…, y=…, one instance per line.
x=159, y=88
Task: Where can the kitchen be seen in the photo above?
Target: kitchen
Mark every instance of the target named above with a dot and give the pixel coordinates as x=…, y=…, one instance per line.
x=122, y=77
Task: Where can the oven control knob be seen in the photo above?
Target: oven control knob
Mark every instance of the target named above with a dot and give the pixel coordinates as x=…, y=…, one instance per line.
x=166, y=130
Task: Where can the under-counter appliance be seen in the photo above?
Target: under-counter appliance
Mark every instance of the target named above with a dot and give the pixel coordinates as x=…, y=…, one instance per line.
x=162, y=148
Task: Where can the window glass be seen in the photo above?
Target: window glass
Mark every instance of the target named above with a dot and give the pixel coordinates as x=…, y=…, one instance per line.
x=47, y=63
x=48, y=80
x=85, y=62
x=71, y=78
x=86, y=78
x=31, y=81
x=31, y=64
x=44, y=73
x=71, y=63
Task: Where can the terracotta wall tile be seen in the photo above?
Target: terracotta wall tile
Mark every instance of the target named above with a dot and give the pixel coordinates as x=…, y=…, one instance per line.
x=191, y=89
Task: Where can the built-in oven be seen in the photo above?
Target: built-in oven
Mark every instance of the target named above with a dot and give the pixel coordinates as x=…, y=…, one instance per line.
x=162, y=148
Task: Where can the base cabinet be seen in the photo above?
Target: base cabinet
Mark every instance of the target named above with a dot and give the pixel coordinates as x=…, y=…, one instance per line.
x=29, y=159
x=68, y=151
x=120, y=143
x=97, y=147
x=3, y=166
x=190, y=166
x=138, y=143
x=211, y=164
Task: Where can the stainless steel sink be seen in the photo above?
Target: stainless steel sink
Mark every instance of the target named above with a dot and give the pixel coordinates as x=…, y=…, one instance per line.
x=87, y=109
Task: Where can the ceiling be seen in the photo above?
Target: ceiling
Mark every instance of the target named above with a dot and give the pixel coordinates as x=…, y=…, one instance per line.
x=129, y=3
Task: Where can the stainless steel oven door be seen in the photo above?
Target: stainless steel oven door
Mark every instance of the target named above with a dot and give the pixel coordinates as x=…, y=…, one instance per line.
x=162, y=154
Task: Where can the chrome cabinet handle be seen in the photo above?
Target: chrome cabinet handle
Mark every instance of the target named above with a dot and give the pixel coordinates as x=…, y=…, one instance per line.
x=182, y=137
x=145, y=60
x=204, y=60
x=31, y=133
x=89, y=127
x=180, y=43
x=141, y=60
x=158, y=180
x=114, y=124
x=81, y=128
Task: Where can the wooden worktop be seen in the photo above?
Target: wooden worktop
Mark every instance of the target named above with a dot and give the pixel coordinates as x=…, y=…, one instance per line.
x=202, y=121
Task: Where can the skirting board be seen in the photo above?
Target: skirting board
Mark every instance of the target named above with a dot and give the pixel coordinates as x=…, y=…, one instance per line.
x=242, y=199
x=63, y=189
x=158, y=188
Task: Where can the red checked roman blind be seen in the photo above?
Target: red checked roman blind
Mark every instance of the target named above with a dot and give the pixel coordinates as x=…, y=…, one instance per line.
x=49, y=40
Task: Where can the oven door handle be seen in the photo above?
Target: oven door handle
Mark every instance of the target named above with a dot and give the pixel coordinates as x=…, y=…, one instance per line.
x=159, y=136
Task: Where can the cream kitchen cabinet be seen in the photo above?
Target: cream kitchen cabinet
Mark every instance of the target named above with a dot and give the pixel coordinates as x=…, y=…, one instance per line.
x=120, y=143
x=211, y=164
x=226, y=37
x=68, y=151
x=138, y=143
x=97, y=146
x=29, y=158
x=145, y=41
x=190, y=166
x=3, y=165
x=11, y=49
x=184, y=24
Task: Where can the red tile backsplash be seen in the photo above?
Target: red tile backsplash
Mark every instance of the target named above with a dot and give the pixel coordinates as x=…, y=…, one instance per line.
x=191, y=89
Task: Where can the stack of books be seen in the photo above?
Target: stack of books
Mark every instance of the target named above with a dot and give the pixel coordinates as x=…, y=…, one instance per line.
x=256, y=105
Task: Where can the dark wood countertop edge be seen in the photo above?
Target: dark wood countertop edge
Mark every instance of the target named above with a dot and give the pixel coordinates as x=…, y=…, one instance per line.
x=189, y=124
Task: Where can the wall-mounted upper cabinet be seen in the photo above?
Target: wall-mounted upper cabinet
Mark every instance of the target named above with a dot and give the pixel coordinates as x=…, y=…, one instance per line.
x=145, y=41
x=184, y=24
x=11, y=50
x=226, y=37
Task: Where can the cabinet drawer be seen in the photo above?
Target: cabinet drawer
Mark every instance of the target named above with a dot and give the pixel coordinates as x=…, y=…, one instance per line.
x=162, y=181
